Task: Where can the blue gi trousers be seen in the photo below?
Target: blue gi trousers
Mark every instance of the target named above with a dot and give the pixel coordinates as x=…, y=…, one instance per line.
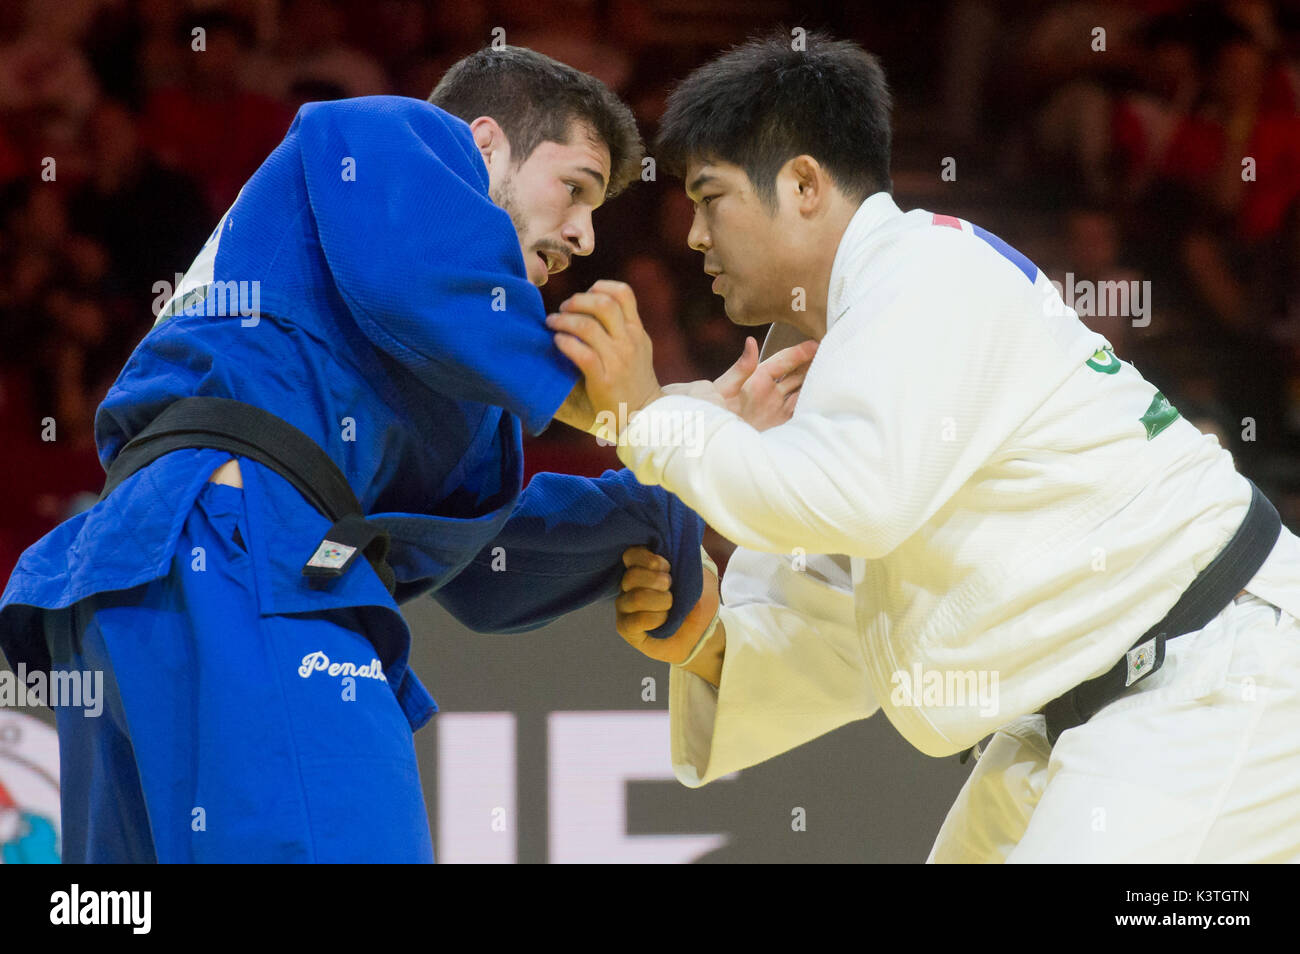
x=227, y=735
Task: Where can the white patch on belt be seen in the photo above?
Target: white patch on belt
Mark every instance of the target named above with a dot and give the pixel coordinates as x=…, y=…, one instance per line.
x=330, y=555
x=1140, y=660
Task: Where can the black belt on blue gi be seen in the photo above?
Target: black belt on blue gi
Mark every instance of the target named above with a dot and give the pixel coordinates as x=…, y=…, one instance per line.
x=1213, y=589
x=251, y=432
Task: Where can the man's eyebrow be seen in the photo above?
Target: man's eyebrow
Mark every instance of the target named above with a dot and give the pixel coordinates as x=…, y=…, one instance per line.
x=600, y=180
x=702, y=179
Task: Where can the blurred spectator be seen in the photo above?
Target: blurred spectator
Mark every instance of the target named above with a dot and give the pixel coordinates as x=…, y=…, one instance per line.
x=164, y=45
x=1091, y=240
x=1147, y=118
x=310, y=49
x=57, y=293
x=574, y=32
x=209, y=127
x=55, y=365
x=43, y=75
x=1075, y=56
x=1248, y=118
x=399, y=34
x=152, y=220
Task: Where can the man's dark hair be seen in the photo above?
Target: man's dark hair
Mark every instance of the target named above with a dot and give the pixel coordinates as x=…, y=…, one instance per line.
x=762, y=103
x=536, y=99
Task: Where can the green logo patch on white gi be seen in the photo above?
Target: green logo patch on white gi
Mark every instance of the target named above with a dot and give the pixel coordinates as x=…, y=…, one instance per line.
x=330, y=555
x=1159, y=415
x=1104, y=360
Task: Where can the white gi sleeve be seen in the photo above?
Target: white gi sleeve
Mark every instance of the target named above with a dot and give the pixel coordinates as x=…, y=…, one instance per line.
x=905, y=400
x=793, y=668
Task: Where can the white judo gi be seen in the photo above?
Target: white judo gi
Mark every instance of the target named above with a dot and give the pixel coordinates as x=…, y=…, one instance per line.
x=1013, y=506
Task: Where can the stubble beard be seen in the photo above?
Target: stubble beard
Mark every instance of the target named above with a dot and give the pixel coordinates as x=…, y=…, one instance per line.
x=504, y=197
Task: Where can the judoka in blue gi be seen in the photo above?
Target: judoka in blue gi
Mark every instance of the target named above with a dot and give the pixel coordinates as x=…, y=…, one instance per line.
x=388, y=309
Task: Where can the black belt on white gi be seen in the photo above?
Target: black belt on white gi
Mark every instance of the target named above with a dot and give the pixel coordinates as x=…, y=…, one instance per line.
x=251, y=432
x=1214, y=588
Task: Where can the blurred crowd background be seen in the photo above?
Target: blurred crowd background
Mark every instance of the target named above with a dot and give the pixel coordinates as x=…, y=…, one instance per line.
x=1122, y=163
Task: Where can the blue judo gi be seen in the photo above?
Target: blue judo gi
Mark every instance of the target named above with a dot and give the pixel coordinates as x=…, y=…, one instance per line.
x=364, y=288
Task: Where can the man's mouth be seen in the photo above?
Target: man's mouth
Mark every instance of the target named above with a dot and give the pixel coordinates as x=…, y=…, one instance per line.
x=537, y=274
x=553, y=261
x=716, y=274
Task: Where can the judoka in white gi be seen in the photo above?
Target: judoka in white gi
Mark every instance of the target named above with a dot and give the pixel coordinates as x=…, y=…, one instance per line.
x=975, y=507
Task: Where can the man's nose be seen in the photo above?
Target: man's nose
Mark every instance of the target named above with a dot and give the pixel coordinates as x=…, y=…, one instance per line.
x=580, y=234
x=698, y=237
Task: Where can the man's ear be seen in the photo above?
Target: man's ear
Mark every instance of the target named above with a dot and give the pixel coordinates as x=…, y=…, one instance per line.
x=491, y=141
x=807, y=179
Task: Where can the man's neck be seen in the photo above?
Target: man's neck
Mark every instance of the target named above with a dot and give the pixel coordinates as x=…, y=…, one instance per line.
x=808, y=324
x=810, y=321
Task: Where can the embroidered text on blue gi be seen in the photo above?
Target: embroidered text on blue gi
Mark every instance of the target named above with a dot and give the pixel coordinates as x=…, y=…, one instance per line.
x=319, y=662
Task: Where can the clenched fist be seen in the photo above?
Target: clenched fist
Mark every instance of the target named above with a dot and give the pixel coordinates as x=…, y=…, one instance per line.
x=643, y=605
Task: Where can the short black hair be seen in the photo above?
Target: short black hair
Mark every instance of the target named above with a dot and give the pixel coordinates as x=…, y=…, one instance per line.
x=762, y=103
x=536, y=99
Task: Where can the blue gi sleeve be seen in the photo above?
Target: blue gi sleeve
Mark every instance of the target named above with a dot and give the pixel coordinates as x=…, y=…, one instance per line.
x=428, y=265
x=562, y=548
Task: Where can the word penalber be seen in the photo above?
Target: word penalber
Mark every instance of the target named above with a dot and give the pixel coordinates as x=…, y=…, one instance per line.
x=102, y=907
x=319, y=662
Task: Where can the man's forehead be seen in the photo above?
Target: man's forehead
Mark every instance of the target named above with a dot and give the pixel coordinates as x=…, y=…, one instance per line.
x=583, y=138
x=702, y=171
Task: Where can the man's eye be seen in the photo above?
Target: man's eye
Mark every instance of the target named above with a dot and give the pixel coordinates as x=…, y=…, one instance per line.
x=705, y=200
x=573, y=188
